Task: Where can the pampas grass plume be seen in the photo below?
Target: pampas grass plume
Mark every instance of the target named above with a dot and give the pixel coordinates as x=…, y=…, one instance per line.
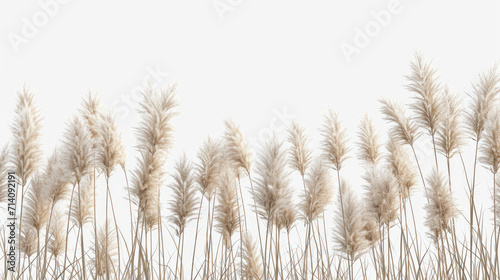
x=300, y=153
x=334, y=140
x=236, y=148
x=318, y=193
x=183, y=203
x=26, y=149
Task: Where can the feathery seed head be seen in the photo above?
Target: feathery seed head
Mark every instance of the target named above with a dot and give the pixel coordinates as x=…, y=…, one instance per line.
x=484, y=95
x=318, y=193
x=110, y=150
x=334, y=142
x=83, y=202
x=77, y=149
x=236, y=148
x=211, y=162
x=251, y=269
x=401, y=167
x=184, y=202
x=383, y=195
x=26, y=153
x=403, y=129
x=428, y=104
x=450, y=137
x=350, y=235
x=300, y=153
x=369, y=145
x=272, y=192
x=490, y=149
x=227, y=218
x=441, y=208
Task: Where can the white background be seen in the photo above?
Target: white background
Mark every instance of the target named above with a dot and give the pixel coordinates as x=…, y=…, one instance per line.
x=252, y=62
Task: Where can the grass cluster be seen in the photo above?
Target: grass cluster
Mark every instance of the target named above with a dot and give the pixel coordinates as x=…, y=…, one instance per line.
x=262, y=219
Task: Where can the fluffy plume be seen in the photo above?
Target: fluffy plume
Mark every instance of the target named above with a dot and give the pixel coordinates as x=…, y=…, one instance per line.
x=110, y=151
x=4, y=161
x=369, y=145
x=272, y=192
x=58, y=234
x=251, y=268
x=77, y=149
x=26, y=153
x=318, y=193
x=83, y=202
x=154, y=137
x=56, y=179
x=287, y=217
x=450, y=137
x=236, y=148
x=370, y=228
x=349, y=231
x=300, y=153
x=382, y=195
x=334, y=142
x=427, y=100
x=401, y=167
x=91, y=113
x=210, y=165
x=403, y=128
x=183, y=203
x=227, y=217
x=28, y=242
x=484, y=95
x=441, y=208
x=108, y=253
x=490, y=149
x=37, y=205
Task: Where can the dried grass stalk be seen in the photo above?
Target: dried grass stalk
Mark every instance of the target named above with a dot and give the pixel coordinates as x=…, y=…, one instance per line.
x=106, y=263
x=4, y=169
